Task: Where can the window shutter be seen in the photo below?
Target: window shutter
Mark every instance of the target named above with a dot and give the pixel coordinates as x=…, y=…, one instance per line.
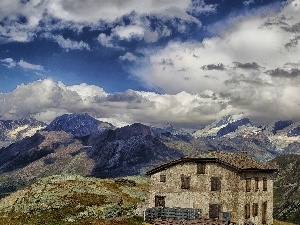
x=162, y=178
x=248, y=184
x=247, y=211
x=201, y=168
x=185, y=182
x=265, y=184
x=215, y=183
x=218, y=184
x=255, y=209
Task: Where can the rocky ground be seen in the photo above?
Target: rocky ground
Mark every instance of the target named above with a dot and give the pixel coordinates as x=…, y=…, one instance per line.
x=76, y=200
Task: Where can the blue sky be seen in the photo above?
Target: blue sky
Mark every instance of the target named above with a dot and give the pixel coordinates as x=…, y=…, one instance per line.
x=185, y=62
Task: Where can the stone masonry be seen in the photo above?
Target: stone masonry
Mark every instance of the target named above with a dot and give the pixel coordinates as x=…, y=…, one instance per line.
x=216, y=182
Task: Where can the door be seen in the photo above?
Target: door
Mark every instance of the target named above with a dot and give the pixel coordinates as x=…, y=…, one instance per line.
x=160, y=201
x=214, y=211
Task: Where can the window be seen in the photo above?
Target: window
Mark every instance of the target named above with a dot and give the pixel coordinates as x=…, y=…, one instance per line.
x=201, y=168
x=265, y=184
x=256, y=184
x=185, y=182
x=214, y=211
x=160, y=201
x=255, y=209
x=162, y=178
x=215, y=184
x=264, y=213
x=248, y=184
x=247, y=211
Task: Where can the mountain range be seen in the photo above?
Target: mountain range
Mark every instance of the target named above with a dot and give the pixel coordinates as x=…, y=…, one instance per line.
x=82, y=145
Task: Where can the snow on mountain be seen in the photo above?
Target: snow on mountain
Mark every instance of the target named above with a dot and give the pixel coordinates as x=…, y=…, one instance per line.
x=78, y=125
x=15, y=130
x=281, y=137
x=282, y=134
x=228, y=126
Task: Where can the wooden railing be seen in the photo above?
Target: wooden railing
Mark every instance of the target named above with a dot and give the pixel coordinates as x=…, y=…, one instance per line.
x=173, y=221
x=174, y=213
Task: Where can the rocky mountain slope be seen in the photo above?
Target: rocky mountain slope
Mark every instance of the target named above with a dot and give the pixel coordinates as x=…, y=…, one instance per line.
x=263, y=142
x=78, y=125
x=111, y=153
x=287, y=188
x=73, y=199
x=80, y=144
x=15, y=130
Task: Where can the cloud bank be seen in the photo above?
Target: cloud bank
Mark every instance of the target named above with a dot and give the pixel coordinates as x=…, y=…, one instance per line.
x=46, y=99
x=23, y=21
x=252, y=64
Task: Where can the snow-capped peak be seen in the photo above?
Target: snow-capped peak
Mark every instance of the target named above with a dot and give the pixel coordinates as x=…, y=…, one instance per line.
x=228, y=125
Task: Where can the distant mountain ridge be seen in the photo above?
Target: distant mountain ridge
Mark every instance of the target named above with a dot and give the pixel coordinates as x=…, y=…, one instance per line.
x=116, y=152
x=78, y=125
x=81, y=144
x=15, y=130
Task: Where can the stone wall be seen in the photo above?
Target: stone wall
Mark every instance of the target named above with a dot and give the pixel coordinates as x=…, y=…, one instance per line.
x=232, y=196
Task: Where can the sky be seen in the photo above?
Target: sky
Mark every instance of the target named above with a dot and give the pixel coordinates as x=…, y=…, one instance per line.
x=184, y=62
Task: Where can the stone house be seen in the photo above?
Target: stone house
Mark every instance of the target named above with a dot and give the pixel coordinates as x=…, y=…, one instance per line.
x=216, y=182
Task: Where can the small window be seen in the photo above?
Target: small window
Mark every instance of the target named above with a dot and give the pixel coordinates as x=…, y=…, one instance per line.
x=159, y=201
x=255, y=209
x=248, y=184
x=185, y=182
x=265, y=184
x=247, y=211
x=256, y=184
x=201, y=168
x=162, y=178
x=215, y=184
x=214, y=211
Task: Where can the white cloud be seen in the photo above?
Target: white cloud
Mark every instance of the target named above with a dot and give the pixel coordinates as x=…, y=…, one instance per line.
x=10, y=63
x=137, y=30
x=121, y=33
x=129, y=32
x=107, y=41
x=69, y=44
x=253, y=62
x=24, y=20
x=46, y=99
x=26, y=65
x=92, y=11
x=199, y=7
x=87, y=92
x=128, y=56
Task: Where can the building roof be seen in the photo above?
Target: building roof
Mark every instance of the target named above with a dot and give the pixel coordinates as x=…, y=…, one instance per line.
x=240, y=162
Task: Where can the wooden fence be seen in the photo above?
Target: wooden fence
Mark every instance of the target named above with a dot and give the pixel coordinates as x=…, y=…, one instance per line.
x=174, y=213
x=173, y=221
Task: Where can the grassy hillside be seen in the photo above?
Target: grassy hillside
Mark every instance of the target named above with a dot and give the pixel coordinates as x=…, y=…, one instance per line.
x=76, y=200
